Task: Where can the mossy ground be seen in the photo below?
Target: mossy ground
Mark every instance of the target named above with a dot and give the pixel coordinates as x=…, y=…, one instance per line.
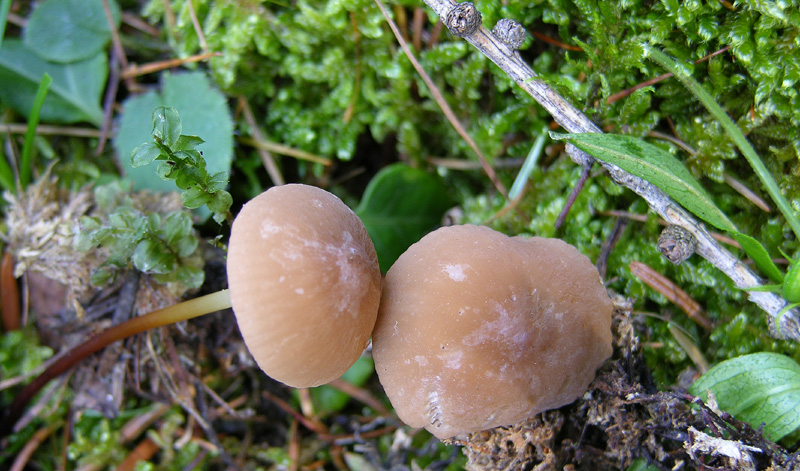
x=327, y=77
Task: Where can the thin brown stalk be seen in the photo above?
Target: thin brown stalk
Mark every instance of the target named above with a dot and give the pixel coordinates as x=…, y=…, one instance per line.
x=152, y=67
x=653, y=81
x=445, y=107
x=417, y=23
x=672, y=292
x=361, y=394
x=691, y=348
x=50, y=130
x=266, y=157
x=749, y=194
x=554, y=42
x=573, y=196
x=351, y=106
x=285, y=150
x=32, y=445
x=144, y=451
x=198, y=30
x=10, y=311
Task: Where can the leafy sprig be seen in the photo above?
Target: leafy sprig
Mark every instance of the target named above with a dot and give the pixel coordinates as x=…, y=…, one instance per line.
x=182, y=163
x=161, y=245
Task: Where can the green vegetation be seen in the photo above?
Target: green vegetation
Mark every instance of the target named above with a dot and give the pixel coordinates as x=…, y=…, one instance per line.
x=326, y=79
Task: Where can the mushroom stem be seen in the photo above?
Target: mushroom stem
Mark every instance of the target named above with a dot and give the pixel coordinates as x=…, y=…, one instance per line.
x=169, y=315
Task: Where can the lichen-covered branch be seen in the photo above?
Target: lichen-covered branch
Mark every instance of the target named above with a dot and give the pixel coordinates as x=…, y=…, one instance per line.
x=571, y=119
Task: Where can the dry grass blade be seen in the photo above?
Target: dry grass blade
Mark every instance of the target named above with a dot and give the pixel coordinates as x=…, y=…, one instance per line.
x=690, y=348
x=448, y=112
x=361, y=394
x=33, y=443
x=746, y=192
x=137, y=70
x=266, y=157
x=672, y=292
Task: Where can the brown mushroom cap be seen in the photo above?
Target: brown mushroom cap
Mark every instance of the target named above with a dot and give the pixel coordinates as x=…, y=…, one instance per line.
x=477, y=329
x=304, y=282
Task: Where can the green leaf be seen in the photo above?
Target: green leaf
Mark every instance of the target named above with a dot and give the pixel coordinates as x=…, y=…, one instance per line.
x=152, y=257
x=177, y=226
x=145, y=154
x=167, y=125
x=102, y=275
x=760, y=256
x=400, y=205
x=655, y=165
x=69, y=30
x=203, y=111
x=74, y=94
x=195, y=197
x=757, y=388
x=187, y=143
x=192, y=277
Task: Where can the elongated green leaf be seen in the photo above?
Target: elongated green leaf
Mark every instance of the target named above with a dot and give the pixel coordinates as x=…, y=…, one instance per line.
x=757, y=388
x=760, y=256
x=74, y=94
x=400, y=205
x=655, y=165
x=69, y=30
x=26, y=164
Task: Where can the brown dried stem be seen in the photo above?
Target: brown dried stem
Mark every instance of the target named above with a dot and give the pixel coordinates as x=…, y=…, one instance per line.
x=159, y=318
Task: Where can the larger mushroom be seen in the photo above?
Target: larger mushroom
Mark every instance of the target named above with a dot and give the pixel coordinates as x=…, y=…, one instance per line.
x=305, y=283
x=477, y=329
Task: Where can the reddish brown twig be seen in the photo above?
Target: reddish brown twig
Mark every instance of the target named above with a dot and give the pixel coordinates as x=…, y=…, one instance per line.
x=672, y=292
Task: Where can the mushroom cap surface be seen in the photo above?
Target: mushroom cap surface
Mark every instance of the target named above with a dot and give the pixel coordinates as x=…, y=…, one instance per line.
x=478, y=330
x=304, y=283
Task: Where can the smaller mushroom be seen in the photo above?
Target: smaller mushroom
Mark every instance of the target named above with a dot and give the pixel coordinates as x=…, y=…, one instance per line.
x=478, y=330
x=304, y=283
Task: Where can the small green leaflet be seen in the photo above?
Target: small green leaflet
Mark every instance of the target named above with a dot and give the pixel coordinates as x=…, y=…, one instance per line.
x=757, y=388
x=655, y=165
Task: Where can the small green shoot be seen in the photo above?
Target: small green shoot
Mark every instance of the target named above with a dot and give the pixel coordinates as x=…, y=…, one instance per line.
x=528, y=166
x=732, y=130
x=182, y=163
x=761, y=388
x=162, y=246
x=33, y=121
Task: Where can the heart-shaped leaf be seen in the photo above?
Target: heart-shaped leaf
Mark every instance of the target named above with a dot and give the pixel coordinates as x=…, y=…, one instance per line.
x=757, y=388
x=69, y=30
x=74, y=94
x=400, y=205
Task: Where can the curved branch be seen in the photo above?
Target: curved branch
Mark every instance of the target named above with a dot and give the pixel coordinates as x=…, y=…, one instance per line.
x=571, y=119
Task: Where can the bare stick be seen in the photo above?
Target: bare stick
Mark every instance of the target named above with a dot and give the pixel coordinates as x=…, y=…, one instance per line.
x=573, y=120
